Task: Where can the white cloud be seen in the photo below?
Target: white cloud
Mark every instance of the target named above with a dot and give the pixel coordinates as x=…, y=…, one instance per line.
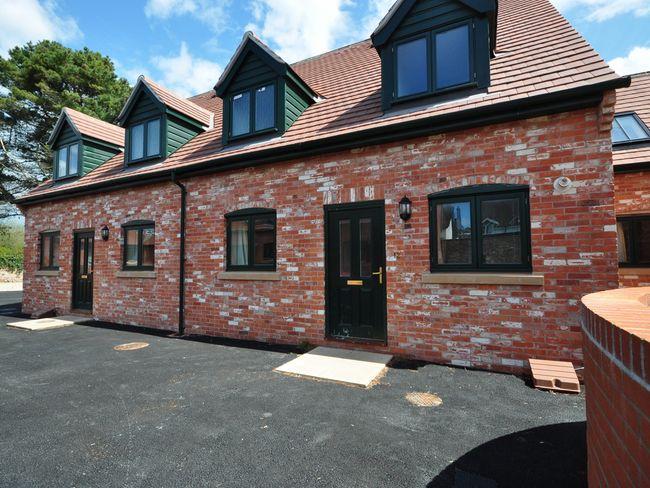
x=601, y=10
x=30, y=20
x=377, y=9
x=302, y=28
x=637, y=60
x=213, y=13
x=185, y=74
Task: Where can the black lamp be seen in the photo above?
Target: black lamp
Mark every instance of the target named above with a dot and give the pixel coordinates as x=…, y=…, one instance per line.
x=405, y=209
x=105, y=233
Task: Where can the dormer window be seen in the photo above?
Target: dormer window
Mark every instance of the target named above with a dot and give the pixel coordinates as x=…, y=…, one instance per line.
x=144, y=140
x=429, y=48
x=66, y=161
x=627, y=128
x=253, y=111
x=261, y=93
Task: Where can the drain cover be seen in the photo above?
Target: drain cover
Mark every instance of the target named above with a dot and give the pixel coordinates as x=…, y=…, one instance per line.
x=131, y=346
x=420, y=399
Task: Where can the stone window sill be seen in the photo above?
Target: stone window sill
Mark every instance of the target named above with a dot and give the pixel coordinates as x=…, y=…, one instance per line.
x=522, y=279
x=250, y=275
x=634, y=271
x=136, y=274
x=46, y=272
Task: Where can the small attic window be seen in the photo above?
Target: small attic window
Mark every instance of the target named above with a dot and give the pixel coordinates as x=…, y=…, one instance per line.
x=66, y=161
x=144, y=140
x=628, y=128
x=253, y=111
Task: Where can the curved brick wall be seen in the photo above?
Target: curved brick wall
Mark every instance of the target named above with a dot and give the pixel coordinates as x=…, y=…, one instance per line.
x=616, y=330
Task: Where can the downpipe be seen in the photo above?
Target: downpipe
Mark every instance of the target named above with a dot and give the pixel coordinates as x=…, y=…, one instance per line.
x=181, y=287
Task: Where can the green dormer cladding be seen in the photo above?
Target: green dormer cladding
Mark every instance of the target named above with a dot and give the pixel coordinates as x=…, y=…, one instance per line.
x=158, y=123
x=432, y=47
x=81, y=143
x=262, y=95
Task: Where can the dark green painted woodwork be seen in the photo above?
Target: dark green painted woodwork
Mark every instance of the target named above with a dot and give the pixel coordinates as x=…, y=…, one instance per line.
x=95, y=154
x=424, y=17
x=252, y=72
x=179, y=132
x=144, y=107
x=66, y=136
x=295, y=103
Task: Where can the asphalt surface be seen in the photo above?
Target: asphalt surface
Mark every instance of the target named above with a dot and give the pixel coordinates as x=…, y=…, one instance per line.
x=74, y=412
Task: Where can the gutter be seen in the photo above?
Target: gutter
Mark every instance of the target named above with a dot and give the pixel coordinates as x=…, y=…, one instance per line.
x=181, y=272
x=546, y=104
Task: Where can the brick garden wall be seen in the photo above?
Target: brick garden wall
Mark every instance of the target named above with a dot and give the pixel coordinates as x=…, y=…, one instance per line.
x=632, y=192
x=617, y=382
x=485, y=326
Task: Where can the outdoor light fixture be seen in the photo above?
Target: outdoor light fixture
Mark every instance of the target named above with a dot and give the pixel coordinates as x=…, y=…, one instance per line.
x=105, y=233
x=405, y=209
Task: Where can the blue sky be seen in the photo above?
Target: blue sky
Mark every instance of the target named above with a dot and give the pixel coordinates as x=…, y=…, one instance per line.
x=184, y=44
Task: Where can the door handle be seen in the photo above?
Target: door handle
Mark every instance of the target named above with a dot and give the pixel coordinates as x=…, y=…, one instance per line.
x=380, y=273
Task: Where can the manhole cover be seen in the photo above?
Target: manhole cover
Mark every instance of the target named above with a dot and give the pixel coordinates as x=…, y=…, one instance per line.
x=420, y=399
x=131, y=346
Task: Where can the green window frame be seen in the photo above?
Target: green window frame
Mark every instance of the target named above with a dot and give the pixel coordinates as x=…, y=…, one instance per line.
x=251, y=240
x=430, y=36
x=49, y=250
x=72, y=155
x=148, y=151
x=252, y=94
x=633, y=241
x=480, y=243
x=139, y=248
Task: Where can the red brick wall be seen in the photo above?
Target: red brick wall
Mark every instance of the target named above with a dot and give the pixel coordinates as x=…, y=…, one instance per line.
x=617, y=382
x=632, y=193
x=485, y=326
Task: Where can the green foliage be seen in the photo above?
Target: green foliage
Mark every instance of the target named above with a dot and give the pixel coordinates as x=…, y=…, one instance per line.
x=11, y=248
x=39, y=80
x=11, y=259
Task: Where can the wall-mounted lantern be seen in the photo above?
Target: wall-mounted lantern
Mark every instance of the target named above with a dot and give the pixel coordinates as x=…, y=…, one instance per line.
x=104, y=233
x=405, y=209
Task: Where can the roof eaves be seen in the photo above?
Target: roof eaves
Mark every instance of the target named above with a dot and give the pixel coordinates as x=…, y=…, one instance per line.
x=63, y=117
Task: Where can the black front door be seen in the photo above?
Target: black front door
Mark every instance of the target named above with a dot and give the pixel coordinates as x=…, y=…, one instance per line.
x=356, y=271
x=82, y=271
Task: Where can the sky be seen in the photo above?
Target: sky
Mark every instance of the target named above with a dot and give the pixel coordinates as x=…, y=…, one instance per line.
x=185, y=44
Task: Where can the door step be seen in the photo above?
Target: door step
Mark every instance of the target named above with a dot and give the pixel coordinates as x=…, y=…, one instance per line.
x=357, y=368
x=48, y=323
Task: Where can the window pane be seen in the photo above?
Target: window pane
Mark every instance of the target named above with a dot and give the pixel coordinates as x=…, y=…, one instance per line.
x=365, y=247
x=452, y=57
x=345, y=248
x=623, y=230
x=46, y=261
x=617, y=133
x=63, y=162
x=501, y=231
x=241, y=110
x=137, y=141
x=264, y=240
x=631, y=127
x=264, y=107
x=239, y=242
x=55, y=251
x=131, y=247
x=74, y=159
x=153, y=138
x=454, y=231
x=643, y=244
x=148, y=246
x=412, y=68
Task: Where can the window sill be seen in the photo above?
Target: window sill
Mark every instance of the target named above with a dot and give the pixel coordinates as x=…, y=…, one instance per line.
x=136, y=274
x=46, y=272
x=633, y=271
x=250, y=275
x=524, y=279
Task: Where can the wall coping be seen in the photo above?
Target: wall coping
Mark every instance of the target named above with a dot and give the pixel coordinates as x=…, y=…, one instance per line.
x=625, y=308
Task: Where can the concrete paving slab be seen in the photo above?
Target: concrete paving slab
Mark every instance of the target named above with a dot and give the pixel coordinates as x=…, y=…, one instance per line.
x=358, y=368
x=48, y=323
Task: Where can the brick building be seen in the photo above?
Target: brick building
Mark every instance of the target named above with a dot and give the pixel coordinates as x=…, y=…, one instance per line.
x=442, y=191
x=631, y=156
